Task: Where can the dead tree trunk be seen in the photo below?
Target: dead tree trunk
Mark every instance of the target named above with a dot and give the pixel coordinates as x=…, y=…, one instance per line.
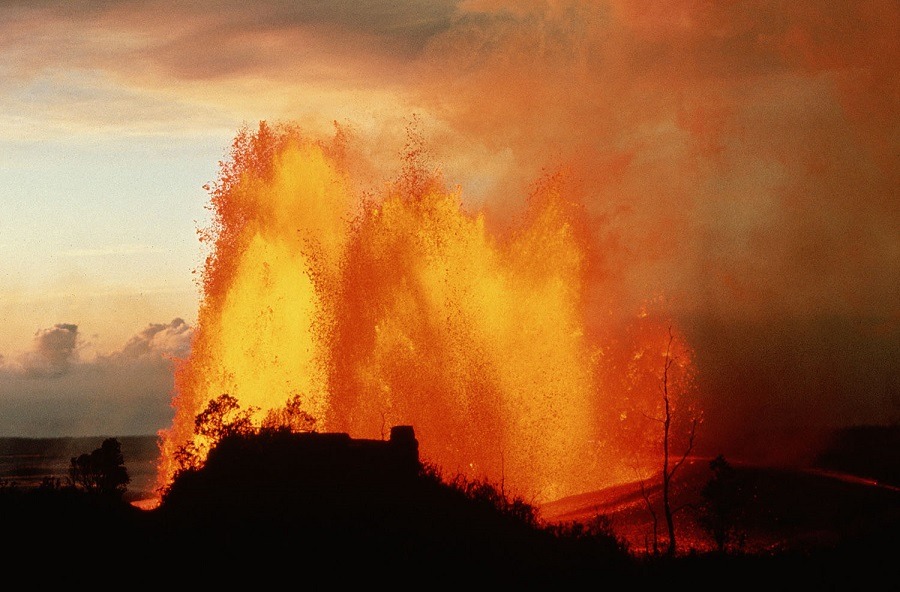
x=669, y=473
x=666, y=474
x=650, y=509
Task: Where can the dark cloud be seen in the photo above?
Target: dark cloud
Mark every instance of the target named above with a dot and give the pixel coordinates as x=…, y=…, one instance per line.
x=214, y=39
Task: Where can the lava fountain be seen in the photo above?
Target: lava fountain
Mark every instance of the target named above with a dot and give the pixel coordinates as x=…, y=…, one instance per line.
x=403, y=308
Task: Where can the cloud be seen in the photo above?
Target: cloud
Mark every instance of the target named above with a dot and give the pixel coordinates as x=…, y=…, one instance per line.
x=52, y=393
x=158, y=341
x=160, y=49
x=158, y=68
x=53, y=352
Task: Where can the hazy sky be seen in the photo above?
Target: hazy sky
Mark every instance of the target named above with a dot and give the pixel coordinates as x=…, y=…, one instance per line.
x=739, y=158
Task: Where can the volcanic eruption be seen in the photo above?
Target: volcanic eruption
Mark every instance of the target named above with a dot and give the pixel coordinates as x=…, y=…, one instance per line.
x=401, y=306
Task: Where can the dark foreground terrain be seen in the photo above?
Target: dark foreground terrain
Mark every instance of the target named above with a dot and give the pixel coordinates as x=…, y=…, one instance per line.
x=27, y=462
x=279, y=508
x=777, y=509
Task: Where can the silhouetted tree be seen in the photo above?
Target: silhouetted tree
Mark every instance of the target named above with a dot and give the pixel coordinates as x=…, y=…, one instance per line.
x=483, y=491
x=291, y=417
x=102, y=471
x=646, y=497
x=50, y=484
x=722, y=503
x=669, y=468
x=222, y=417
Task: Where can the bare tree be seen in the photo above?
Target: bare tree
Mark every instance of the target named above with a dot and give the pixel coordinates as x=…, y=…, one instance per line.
x=669, y=467
x=646, y=496
x=669, y=471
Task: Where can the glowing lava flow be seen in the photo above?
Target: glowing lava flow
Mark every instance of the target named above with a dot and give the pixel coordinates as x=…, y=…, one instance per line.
x=405, y=309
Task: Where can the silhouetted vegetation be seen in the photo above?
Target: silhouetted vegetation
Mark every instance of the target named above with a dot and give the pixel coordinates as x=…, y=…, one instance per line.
x=292, y=417
x=723, y=505
x=102, y=471
x=74, y=529
x=272, y=504
x=336, y=500
x=221, y=418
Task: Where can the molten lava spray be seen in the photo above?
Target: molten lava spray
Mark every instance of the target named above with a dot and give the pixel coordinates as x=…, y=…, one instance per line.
x=403, y=308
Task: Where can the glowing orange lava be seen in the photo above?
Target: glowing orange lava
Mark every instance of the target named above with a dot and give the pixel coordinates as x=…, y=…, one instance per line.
x=404, y=308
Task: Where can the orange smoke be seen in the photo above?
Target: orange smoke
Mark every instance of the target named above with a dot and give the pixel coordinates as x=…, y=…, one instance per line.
x=403, y=308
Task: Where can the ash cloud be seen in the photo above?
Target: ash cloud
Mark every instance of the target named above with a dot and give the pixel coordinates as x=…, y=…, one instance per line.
x=739, y=159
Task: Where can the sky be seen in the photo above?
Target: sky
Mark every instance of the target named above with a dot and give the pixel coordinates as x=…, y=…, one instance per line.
x=740, y=159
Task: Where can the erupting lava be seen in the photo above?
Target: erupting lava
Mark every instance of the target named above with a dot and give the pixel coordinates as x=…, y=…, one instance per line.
x=403, y=308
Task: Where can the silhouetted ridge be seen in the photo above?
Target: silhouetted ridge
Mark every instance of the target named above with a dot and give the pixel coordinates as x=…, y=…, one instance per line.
x=333, y=499
x=271, y=508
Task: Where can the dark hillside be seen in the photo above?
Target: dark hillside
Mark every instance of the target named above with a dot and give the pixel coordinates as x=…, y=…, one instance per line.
x=871, y=452
x=273, y=506
x=780, y=509
x=333, y=500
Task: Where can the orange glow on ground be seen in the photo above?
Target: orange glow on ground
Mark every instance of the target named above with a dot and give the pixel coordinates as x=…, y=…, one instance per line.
x=146, y=504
